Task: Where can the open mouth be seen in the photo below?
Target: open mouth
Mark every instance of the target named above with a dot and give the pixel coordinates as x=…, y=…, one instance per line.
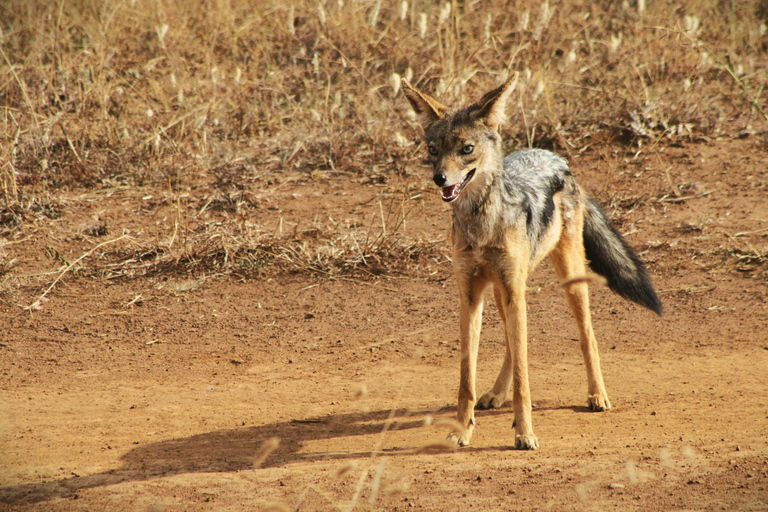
x=452, y=192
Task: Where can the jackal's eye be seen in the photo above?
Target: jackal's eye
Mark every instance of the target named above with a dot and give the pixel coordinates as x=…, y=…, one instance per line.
x=468, y=149
x=432, y=150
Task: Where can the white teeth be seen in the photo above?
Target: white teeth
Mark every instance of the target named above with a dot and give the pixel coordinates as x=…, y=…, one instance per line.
x=451, y=192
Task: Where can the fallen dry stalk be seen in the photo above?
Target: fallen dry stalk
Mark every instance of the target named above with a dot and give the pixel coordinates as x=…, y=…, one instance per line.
x=37, y=303
x=587, y=278
x=454, y=425
x=266, y=448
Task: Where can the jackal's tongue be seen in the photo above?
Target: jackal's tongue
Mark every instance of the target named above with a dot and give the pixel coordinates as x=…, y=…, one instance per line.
x=452, y=191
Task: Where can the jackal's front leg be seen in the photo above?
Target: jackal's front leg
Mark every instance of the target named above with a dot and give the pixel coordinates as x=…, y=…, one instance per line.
x=496, y=397
x=512, y=268
x=470, y=321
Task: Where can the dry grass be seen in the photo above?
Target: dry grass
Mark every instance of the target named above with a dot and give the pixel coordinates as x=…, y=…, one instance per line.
x=238, y=246
x=172, y=95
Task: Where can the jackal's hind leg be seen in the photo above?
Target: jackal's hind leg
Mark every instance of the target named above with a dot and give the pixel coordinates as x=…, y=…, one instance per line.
x=569, y=261
x=496, y=397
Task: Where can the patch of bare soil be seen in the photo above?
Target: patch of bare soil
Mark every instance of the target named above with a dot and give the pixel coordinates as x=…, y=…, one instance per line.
x=162, y=392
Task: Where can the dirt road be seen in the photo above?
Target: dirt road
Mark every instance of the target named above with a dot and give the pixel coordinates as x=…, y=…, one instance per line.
x=158, y=393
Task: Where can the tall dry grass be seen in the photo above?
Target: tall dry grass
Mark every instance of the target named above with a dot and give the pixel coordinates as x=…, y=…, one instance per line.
x=135, y=93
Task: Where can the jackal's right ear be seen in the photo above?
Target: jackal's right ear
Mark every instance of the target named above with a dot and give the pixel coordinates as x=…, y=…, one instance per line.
x=426, y=107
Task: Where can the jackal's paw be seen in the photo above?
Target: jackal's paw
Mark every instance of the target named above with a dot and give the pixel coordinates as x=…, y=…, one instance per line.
x=598, y=403
x=462, y=438
x=458, y=439
x=530, y=442
x=491, y=400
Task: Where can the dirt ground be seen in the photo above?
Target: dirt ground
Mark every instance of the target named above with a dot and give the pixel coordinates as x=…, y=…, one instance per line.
x=161, y=393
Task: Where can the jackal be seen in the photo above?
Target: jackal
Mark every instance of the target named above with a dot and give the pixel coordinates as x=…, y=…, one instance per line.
x=507, y=214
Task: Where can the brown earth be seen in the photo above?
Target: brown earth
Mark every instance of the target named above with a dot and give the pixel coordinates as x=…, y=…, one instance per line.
x=159, y=392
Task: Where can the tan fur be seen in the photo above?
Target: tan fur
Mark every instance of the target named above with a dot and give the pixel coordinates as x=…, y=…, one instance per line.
x=489, y=253
x=506, y=269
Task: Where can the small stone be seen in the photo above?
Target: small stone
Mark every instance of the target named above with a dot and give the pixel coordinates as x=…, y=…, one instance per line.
x=616, y=486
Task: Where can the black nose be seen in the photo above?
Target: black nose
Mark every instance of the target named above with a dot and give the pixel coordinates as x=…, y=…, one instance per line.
x=439, y=179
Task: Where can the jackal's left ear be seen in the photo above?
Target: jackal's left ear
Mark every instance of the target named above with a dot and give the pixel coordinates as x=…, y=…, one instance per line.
x=426, y=107
x=492, y=106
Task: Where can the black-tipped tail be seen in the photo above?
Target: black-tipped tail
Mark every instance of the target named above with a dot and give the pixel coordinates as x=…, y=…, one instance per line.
x=611, y=257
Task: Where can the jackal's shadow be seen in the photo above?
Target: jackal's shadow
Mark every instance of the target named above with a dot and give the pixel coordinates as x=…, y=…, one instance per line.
x=233, y=450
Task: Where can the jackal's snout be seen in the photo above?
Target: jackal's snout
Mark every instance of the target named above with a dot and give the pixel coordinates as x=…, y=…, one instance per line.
x=439, y=178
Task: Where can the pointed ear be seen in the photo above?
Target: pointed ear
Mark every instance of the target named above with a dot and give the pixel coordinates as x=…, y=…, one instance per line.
x=426, y=107
x=491, y=107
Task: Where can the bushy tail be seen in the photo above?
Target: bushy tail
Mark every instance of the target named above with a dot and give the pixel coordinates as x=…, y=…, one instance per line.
x=611, y=257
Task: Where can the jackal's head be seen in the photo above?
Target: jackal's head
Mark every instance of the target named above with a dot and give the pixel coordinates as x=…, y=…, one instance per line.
x=464, y=144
